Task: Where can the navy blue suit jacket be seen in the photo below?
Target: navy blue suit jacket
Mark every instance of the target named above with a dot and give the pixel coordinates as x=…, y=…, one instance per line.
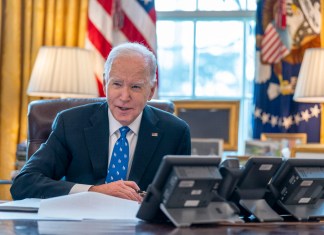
x=77, y=150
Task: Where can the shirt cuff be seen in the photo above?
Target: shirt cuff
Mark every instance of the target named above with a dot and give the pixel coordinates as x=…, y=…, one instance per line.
x=79, y=188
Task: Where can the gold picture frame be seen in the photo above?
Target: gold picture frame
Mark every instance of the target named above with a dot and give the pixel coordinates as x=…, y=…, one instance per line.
x=292, y=138
x=211, y=119
x=204, y=146
x=308, y=149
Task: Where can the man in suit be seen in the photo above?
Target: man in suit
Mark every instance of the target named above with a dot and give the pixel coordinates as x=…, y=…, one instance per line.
x=80, y=149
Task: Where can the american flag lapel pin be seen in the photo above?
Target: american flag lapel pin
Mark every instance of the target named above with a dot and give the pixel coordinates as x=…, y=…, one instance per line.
x=154, y=134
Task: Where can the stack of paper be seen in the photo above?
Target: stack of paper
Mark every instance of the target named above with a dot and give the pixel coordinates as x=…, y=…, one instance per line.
x=86, y=205
x=26, y=205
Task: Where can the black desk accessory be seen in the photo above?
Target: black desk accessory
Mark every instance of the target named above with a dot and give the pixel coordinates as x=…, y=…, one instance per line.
x=183, y=190
x=298, y=188
x=246, y=187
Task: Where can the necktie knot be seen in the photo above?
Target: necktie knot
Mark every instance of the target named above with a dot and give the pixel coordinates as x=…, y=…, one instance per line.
x=123, y=131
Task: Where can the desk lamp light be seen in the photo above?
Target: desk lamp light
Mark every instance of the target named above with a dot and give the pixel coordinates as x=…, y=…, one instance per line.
x=63, y=72
x=310, y=83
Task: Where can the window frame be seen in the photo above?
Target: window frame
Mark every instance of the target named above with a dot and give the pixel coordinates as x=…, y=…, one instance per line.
x=246, y=98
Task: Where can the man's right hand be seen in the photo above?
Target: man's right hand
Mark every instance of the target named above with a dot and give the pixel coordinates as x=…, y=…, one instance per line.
x=122, y=189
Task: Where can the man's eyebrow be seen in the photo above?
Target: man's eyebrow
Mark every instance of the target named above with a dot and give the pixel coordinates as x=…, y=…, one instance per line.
x=116, y=79
x=139, y=83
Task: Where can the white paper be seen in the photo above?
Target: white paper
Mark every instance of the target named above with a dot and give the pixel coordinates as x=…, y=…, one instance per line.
x=25, y=205
x=88, y=205
x=18, y=215
x=21, y=209
x=25, y=216
x=86, y=227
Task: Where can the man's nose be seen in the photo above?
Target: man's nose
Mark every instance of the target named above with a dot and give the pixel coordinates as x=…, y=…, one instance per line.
x=125, y=93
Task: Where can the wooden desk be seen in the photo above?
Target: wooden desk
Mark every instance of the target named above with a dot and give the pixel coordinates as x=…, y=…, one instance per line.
x=132, y=227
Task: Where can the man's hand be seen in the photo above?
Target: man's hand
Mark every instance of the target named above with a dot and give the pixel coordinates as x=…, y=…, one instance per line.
x=120, y=188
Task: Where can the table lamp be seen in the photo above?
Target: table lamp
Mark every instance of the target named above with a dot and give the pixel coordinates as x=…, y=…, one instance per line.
x=310, y=83
x=63, y=72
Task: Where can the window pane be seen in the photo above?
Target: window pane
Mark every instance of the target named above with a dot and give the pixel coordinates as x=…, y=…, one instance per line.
x=220, y=5
x=219, y=59
x=226, y=5
x=250, y=58
x=175, y=5
x=175, y=56
x=251, y=5
x=205, y=5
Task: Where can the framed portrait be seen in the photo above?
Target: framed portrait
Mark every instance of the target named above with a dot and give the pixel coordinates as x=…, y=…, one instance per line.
x=201, y=146
x=289, y=139
x=258, y=147
x=211, y=120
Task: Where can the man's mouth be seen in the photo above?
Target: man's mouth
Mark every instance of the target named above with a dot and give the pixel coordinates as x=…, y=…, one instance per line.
x=124, y=108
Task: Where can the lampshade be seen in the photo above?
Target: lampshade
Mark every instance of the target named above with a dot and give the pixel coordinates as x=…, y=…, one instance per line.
x=63, y=72
x=310, y=83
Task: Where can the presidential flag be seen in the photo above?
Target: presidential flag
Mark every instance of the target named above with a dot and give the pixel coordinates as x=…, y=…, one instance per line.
x=111, y=22
x=284, y=30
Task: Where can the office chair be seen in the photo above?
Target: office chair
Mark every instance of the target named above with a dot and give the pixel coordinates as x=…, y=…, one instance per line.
x=41, y=114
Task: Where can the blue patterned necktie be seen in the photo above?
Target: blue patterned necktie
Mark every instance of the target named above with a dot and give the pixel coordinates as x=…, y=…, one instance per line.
x=119, y=159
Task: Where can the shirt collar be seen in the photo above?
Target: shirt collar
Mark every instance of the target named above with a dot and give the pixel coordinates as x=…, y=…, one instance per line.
x=114, y=125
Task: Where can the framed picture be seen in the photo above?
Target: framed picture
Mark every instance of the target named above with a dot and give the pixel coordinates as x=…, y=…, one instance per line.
x=308, y=150
x=211, y=120
x=201, y=146
x=262, y=148
x=288, y=139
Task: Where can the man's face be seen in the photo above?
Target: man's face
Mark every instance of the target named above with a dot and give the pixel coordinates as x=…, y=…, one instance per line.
x=128, y=88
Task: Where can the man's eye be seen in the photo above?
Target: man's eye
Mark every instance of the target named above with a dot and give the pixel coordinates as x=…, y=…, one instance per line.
x=136, y=87
x=117, y=84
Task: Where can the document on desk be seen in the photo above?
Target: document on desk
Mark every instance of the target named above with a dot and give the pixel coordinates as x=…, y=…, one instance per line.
x=20, y=209
x=88, y=205
x=25, y=205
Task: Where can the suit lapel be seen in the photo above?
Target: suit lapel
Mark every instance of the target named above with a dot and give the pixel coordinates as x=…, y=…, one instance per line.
x=148, y=138
x=97, y=141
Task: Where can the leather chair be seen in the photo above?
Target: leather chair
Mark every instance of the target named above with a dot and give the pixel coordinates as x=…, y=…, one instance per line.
x=41, y=114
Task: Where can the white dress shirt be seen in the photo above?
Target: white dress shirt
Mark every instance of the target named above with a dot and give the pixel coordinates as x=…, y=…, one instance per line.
x=114, y=134
x=131, y=136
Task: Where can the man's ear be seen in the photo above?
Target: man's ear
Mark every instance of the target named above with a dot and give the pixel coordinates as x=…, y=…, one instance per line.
x=152, y=91
x=104, y=83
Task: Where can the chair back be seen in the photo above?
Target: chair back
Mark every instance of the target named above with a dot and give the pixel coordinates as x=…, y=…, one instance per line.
x=41, y=114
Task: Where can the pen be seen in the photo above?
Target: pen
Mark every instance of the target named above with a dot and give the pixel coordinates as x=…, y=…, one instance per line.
x=141, y=193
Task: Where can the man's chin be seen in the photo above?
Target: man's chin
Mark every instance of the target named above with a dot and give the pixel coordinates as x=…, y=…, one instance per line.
x=123, y=121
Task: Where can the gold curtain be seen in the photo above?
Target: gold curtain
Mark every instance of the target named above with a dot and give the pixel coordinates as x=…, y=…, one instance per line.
x=25, y=25
x=322, y=34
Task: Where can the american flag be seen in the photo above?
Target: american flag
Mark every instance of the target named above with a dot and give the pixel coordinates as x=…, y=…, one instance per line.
x=275, y=42
x=111, y=22
x=272, y=47
x=275, y=110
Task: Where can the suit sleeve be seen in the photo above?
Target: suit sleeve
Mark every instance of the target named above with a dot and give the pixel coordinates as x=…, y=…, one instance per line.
x=185, y=143
x=41, y=177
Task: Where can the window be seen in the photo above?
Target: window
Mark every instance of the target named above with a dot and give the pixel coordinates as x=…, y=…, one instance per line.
x=206, y=51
